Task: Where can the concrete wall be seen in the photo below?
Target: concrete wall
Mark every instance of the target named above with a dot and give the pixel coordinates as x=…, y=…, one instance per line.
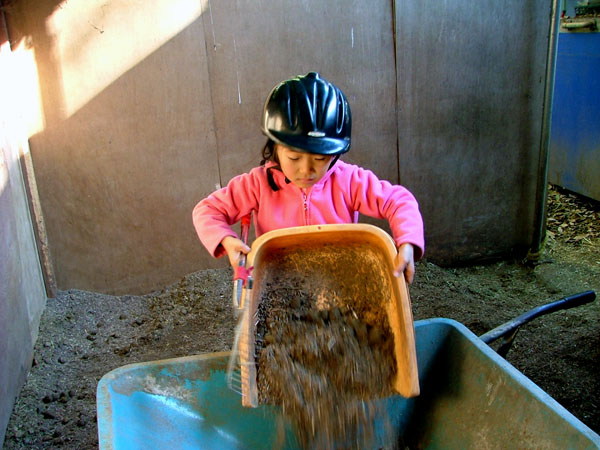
x=148, y=108
x=22, y=294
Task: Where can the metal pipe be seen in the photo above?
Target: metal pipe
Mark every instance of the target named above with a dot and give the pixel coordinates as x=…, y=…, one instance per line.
x=540, y=211
x=509, y=327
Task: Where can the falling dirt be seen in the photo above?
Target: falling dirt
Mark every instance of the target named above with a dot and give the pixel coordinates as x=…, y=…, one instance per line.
x=323, y=366
x=84, y=335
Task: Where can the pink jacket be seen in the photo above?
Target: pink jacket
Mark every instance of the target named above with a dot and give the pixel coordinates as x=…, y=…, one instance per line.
x=345, y=190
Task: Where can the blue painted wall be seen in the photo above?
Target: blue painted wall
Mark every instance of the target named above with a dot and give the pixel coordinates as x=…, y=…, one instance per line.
x=575, y=132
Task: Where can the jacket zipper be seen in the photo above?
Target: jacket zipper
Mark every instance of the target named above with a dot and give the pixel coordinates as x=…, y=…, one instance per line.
x=305, y=206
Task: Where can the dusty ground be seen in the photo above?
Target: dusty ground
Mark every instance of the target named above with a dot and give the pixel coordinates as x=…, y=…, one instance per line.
x=84, y=335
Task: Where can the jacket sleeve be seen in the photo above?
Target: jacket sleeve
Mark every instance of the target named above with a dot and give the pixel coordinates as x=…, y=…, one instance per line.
x=381, y=199
x=214, y=215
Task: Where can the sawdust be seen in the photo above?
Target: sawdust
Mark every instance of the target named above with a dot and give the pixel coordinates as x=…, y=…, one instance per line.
x=571, y=218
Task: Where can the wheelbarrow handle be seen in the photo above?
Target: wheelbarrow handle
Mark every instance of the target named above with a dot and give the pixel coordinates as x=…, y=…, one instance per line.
x=511, y=326
x=245, y=227
x=241, y=275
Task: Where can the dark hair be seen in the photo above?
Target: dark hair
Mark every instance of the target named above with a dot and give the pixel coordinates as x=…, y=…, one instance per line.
x=269, y=153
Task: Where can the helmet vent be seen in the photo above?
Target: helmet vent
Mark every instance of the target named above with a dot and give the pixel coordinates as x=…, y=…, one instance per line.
x=342, y=114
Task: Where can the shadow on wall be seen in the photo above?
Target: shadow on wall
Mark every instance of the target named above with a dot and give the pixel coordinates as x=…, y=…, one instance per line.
x=121, y=151
x=147, y=111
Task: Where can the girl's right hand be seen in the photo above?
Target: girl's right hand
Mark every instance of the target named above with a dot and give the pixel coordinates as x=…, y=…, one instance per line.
x=235, y=248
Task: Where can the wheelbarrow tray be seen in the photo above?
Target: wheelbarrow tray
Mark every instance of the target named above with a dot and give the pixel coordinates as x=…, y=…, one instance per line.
x=470, y=398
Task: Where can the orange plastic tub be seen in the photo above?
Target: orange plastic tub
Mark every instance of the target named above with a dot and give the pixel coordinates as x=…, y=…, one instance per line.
x=352, y=262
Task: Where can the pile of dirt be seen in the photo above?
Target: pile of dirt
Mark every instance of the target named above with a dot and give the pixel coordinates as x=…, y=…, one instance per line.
x=323, y=366
x=83, y=335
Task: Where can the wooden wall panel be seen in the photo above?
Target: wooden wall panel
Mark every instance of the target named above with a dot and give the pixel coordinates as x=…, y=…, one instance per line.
x=118, y=177
x=470, y=100
x=253, y=45
x=451, y=108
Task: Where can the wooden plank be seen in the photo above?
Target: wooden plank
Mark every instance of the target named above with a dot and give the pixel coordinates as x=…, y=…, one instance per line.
x=38, y=224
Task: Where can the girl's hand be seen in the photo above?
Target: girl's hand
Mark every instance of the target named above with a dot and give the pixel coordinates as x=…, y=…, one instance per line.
x=405, y=262
x=234, y=248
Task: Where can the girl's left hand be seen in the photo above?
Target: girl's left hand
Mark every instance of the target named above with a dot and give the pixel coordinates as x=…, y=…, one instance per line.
x=405, y=262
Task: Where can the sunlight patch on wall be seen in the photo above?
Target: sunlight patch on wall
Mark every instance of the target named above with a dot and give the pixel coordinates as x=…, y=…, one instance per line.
x=19, y=90
x=96, y=41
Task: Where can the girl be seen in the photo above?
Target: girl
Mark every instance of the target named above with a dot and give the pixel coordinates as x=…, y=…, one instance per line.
x=301, y=180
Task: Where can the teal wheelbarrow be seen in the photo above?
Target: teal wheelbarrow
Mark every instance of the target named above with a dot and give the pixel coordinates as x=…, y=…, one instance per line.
x=470, y=397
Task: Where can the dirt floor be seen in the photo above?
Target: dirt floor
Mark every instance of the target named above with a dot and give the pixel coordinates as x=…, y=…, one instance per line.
x=84, y=335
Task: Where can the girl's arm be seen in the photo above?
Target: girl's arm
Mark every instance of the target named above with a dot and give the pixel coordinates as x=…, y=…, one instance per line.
x=381, y=199
x=214, y=215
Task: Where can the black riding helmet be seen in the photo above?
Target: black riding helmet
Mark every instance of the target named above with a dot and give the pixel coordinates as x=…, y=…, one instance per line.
x=309, y=114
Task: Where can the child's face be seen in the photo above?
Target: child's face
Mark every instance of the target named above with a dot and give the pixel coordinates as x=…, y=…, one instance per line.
x=302, y=169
